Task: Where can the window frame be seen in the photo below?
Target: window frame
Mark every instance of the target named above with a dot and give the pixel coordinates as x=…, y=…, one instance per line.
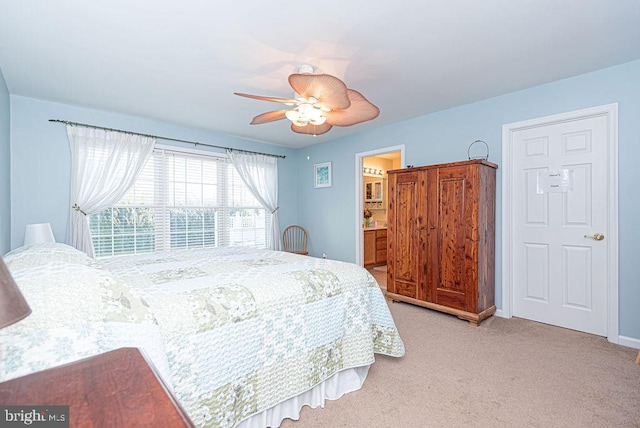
x=162, y=221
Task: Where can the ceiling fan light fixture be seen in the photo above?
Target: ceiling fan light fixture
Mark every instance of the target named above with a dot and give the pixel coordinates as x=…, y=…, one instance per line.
x=306, y=109
x=305, y=114
x=318, y=120
x=292, y=115
x=320, y=102
x=295, y=117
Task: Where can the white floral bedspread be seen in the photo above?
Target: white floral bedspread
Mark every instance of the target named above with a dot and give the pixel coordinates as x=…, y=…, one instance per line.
x=78, y=310
x=245, y=329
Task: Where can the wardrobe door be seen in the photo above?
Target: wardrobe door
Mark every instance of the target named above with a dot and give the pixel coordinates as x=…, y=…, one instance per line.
x=406, y=240
x=453, y=228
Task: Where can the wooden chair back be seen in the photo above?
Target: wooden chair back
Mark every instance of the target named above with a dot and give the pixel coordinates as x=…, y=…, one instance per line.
x=294, y=239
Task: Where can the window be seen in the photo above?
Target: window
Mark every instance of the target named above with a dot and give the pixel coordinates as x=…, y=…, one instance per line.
x=181, y=201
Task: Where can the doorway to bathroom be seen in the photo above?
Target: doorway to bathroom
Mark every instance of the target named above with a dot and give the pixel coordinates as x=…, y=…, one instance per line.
x=371, y=206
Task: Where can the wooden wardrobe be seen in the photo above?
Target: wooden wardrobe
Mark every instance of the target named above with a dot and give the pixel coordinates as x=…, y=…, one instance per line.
x=441, y=238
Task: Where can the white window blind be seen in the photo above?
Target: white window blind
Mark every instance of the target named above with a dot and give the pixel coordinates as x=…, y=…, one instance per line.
x=181, y=201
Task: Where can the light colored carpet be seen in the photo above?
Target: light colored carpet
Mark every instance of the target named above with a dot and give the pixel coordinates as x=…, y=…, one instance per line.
x=505, y=373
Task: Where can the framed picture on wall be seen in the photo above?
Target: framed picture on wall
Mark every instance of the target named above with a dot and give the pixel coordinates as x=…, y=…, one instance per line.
x=322, y=175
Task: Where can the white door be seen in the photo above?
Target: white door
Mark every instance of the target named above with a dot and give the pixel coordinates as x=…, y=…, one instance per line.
x=560, y=232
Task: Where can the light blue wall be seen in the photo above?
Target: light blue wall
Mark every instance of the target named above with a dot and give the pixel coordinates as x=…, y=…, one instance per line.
x=40, y=163
x=5, y=168
x=41, y=160
x=328, y=213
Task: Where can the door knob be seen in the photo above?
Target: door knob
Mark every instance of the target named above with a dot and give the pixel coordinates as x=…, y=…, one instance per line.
x=596, y=236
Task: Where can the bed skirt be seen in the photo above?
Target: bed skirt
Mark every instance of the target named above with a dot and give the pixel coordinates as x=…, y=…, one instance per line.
x=336, y=386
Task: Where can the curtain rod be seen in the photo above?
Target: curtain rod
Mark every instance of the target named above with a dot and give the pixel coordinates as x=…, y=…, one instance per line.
x=66, y=122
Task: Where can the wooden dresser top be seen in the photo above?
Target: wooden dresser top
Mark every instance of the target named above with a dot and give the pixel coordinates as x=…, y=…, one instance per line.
x=119, y=388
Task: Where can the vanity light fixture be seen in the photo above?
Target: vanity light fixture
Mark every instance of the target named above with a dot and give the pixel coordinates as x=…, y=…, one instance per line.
x=372, y=172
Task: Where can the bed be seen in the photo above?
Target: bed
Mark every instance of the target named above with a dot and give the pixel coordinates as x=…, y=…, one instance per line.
x=245, y=337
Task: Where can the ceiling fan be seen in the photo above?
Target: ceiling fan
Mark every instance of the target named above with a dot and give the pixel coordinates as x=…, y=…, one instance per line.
x=321, y=102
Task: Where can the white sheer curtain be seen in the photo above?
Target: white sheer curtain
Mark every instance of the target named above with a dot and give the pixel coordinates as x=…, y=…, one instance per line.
x=104, y=165
x=260, y=174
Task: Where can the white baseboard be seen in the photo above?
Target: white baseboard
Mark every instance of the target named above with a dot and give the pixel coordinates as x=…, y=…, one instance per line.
x=629, y=342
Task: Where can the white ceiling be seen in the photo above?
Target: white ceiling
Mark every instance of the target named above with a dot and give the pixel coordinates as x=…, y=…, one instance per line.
x=181, y=61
